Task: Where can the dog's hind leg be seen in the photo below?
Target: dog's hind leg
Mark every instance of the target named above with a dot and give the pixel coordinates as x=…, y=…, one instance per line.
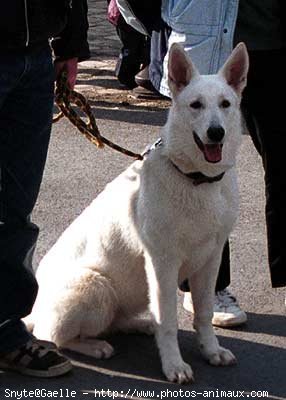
x=202, y=284
x=91, y=347
x=134, y=325
x=85, y=310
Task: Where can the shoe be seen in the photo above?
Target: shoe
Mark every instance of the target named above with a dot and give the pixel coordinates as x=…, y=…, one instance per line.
x=143, y=80
x=145, y=89
x=227, y=312
x=145, y=94
x=36, y=358
x=125, y=70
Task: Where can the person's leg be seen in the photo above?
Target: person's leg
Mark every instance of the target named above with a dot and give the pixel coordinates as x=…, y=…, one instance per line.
x=266, y=78
x=227, y=312
x=158, y=51
x=223, y=279
x=134, y=52
x=26, y=98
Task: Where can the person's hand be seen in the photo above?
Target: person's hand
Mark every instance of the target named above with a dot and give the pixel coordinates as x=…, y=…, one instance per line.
x=70, y=67
x=113, y=12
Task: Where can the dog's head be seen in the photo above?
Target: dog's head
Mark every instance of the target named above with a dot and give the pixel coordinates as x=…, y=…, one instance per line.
x=203, y=131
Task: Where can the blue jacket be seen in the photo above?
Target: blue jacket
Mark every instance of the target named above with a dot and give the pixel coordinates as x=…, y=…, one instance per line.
x=205, y=28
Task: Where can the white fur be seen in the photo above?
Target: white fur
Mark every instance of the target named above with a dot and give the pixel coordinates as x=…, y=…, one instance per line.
x=150, y=229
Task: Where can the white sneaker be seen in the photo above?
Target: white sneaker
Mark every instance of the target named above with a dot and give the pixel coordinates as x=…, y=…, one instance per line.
x=227, y=312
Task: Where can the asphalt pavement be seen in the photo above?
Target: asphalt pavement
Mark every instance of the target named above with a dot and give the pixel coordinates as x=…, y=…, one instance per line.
x=75, y=173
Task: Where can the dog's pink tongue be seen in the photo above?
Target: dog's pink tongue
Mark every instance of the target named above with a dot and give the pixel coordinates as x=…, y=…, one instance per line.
x=212, y=152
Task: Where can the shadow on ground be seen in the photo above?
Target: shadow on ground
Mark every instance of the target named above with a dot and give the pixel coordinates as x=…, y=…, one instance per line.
x=132, y=114
x=125, y=112
x=135, y=369
x=94, y=72
x=273, y=325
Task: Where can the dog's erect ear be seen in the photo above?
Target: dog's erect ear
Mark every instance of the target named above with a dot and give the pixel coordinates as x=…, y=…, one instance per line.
x=180, y=69
x=236, y=67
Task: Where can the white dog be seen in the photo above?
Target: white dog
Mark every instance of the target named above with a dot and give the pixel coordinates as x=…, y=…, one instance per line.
x=161, y=221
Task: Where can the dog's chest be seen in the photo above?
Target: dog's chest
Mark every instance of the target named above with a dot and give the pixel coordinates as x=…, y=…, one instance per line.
x=204, y=211
x=188, y=212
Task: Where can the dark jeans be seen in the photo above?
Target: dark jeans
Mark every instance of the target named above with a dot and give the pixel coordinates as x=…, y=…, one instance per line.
x=26, y=101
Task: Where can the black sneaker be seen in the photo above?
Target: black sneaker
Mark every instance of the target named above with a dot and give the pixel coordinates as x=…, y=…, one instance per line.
x=36, y=358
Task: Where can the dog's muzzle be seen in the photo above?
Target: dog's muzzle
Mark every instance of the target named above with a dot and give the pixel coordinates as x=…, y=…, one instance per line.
x=212, y=151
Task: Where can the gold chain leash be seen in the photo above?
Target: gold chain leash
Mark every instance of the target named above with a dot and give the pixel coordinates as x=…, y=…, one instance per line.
x=64, y=98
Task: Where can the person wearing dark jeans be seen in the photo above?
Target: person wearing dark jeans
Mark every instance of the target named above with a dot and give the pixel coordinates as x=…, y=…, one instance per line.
x=27, y=76
x=261, y=25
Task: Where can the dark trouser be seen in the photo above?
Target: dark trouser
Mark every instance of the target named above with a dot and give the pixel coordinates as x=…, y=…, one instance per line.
x=262, y=101
x=134, y=53
x=26, y=101
x=266, y=80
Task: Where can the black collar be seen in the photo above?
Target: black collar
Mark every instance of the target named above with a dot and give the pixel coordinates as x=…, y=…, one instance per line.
x=196, y=177
x=199, y=177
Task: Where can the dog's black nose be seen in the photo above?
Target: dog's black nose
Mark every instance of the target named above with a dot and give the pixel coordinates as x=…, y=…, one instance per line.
x=215, y=133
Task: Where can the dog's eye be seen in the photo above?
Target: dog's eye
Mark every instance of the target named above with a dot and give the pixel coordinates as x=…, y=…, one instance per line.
x=225, y=104
x=196, y=105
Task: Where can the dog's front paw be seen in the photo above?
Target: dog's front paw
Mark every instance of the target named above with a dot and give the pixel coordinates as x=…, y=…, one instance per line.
x=101, y=349
x=222, y=357
x=179, y=373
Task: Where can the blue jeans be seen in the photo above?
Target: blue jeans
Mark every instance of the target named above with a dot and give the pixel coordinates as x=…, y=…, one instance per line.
x=26, y=102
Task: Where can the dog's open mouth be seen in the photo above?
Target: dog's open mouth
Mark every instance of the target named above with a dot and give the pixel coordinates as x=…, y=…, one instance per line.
x=212, y=151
